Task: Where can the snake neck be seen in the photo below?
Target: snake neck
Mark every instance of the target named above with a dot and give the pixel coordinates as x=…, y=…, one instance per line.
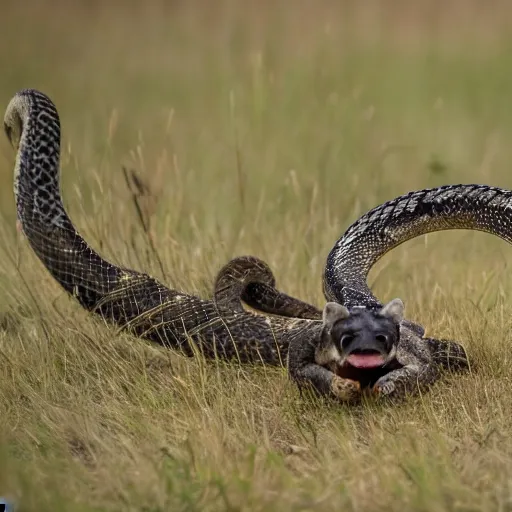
x=40, y=209
x=475, y=207
x=36, y=173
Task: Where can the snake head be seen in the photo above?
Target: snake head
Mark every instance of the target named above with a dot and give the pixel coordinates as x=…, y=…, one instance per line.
x=360, y=344
x=13, y=125
x=8, y=132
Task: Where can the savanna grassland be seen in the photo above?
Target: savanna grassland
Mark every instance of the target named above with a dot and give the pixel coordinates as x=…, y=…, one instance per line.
x=266, y=128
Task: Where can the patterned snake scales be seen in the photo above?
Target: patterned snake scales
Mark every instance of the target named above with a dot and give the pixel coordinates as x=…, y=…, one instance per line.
x=220, y=327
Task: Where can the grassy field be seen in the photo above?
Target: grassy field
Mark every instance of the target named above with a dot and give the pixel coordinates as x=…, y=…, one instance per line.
x=266, y=128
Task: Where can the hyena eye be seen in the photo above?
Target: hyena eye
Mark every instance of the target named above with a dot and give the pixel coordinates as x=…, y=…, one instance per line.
x=346, y=339
x=381, y=338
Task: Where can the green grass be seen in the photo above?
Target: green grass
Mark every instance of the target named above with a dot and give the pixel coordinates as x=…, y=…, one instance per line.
x=262, y=128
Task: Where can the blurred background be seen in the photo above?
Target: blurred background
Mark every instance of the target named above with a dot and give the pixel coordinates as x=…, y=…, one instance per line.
x=263, y=126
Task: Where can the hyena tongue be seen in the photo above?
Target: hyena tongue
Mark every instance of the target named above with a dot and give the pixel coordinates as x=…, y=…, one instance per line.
x=366, y=360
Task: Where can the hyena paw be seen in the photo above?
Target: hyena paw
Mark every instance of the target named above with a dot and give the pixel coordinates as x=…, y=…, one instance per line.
x=385, y=388
x=345, y=389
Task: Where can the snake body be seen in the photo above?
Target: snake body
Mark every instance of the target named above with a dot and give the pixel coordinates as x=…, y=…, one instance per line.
x=475, y=207
x=249, y=280
x=130, y=299
x=290, y=330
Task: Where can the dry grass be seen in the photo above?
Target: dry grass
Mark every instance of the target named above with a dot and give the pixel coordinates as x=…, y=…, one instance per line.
x=263, y=128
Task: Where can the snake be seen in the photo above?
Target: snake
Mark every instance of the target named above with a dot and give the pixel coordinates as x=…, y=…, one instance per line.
x=135, y=301
x=220, y=327
x=474, y=207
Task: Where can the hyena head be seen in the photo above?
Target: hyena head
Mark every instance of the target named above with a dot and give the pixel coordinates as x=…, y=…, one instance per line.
x=360, y=343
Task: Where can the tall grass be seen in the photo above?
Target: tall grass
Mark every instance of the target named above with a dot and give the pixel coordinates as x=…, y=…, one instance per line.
x=260, y=128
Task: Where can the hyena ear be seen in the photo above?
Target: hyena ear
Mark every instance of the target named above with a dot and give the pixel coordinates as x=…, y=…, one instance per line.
x=334, y=312
x=393, y=310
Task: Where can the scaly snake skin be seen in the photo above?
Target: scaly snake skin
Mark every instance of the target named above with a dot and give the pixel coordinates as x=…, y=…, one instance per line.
x=132, y=300
x=222, y=327
x=250, y=280
x=476, y=207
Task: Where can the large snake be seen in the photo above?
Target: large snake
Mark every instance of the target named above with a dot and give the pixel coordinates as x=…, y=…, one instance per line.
x=220, y=327
x=130, y=299
x=475, y=207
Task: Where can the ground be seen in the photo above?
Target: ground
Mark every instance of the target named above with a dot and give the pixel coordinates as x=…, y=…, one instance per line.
x=260, y=128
